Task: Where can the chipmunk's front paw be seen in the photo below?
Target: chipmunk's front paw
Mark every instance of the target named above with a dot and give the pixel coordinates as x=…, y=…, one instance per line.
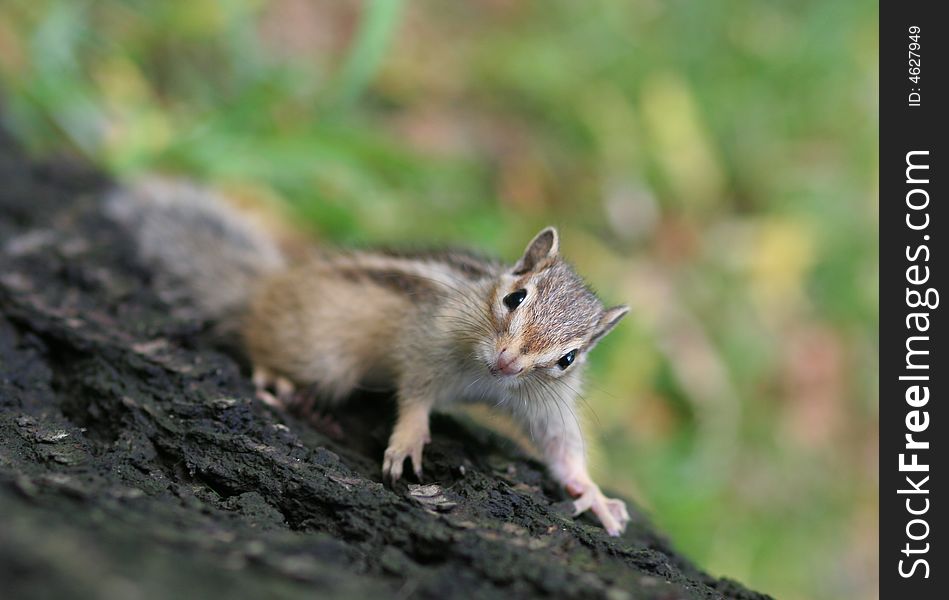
x=611, y=512
x=400, y=448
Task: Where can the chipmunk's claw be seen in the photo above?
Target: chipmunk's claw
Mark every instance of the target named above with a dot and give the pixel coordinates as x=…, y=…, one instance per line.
x=397, y=452
x=611, y=512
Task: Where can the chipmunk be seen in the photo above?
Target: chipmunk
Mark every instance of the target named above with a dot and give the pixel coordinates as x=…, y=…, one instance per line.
x=438, y=327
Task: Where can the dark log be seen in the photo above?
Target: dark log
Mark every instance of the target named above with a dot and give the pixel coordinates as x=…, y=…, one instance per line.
x=136, y=463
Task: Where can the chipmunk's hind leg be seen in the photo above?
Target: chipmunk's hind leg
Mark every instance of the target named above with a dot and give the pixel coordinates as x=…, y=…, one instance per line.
x=310, y=404
x=279, y=392
x=273, y=390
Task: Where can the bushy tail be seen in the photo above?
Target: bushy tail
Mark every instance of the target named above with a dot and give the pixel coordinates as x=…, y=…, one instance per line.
x=191, y=236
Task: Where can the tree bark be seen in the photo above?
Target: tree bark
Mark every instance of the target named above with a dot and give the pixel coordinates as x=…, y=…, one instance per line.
x=136, y=463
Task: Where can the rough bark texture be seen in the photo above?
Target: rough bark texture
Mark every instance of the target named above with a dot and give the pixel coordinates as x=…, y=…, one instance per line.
x=135, y=463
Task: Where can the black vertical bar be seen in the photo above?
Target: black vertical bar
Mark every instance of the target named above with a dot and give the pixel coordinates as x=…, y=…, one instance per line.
x=913, y=267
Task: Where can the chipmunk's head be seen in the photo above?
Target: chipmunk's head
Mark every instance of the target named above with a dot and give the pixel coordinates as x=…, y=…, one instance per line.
x=545, y=317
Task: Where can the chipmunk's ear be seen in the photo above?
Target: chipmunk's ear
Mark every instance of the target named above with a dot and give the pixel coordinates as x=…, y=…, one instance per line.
x=607, y=322
x=544, y=245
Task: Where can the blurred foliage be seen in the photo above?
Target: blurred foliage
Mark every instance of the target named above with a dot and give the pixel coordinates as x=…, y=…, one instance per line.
x=712, y=164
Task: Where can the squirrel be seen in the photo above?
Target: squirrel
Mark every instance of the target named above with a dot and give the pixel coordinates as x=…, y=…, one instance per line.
x=437, y=327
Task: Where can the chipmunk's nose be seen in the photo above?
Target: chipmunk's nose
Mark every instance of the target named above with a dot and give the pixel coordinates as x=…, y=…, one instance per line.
x=508, y=363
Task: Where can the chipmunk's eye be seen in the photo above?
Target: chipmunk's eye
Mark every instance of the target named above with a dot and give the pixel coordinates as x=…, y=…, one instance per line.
x=514, y=299
x=567, y=359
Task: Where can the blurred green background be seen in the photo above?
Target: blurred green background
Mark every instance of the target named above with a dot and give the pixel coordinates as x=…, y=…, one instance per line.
x=711, y=164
